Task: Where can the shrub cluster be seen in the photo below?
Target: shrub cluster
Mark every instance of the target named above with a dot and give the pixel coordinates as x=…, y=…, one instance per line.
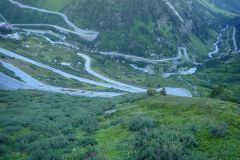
x=161, y=143
x=218, y=130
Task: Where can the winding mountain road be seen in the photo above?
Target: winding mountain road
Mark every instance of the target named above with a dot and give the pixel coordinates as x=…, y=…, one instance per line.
x=67, y=75
x=169, y=90
x=92, y=35
x=86, y=34
x=32, y=83
x=182, y=52
x=9, y=83
x=120, y=86
x=92, y=72
x=42, y=32
x=24, y=76
x=87, y=37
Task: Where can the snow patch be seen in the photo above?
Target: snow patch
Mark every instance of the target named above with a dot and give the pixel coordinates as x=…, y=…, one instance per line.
x=147, y=69
x=66, y=64
x=14, y=36
x=183, y=72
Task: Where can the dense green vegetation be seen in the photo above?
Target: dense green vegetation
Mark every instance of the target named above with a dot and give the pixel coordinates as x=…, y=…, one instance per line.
x=219, y=76
x=57, y=5
x=26, y=16
x=35, y=125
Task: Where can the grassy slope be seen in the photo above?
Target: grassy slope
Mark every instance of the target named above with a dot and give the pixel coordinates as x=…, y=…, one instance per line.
x=113, y=139
x=21, y=16
x=56, y=5
x=182, y=112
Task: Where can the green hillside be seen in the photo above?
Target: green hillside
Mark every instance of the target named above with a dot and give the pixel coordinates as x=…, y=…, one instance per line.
x=50, y=126
x=134, y=27
x=56, y=5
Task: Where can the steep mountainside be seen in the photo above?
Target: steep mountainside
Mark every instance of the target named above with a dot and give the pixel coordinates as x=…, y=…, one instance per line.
x=141, y=27
x=146, y=27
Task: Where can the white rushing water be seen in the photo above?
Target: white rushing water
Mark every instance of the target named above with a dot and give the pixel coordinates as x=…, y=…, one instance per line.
x=219, y=39
x=147, y=69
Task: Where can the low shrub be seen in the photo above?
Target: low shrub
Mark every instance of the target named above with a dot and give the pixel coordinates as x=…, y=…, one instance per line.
x=58, y=142
x=4, y=138
x=163, y=92
x=22, y=143
x=117, y=121
x=44, y=155
x=151, y=92
x=12, y=129
x=90, y=153
x=89, y=141
x=218, y=130
x=86, y=122
x=163, y=144
x=3, y=149
x=139, y=122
